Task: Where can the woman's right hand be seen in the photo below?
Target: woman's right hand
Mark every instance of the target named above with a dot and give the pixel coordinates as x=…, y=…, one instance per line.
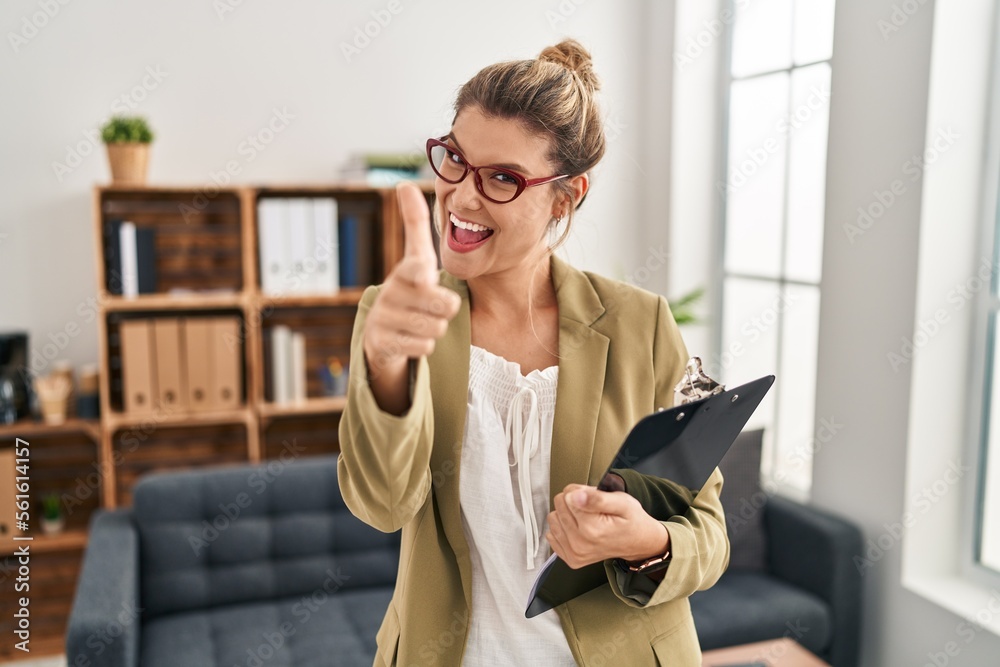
x=411, y=310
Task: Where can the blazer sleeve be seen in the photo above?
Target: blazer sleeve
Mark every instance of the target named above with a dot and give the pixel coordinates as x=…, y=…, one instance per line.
x=699, y=545
x=384, y=464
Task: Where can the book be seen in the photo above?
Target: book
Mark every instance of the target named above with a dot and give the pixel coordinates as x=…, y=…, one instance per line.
x=298, y=356
x=347, y=251
x=129, y=268
x=112, y=256
x=281, y=363
x=145, y=246
x=137, y=252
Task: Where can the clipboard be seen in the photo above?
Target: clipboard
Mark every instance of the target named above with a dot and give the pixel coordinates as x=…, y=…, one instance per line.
x=683, y=444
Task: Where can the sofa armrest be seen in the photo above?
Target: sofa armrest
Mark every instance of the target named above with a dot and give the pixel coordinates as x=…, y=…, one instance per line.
x=815, y=551
x=104, y=624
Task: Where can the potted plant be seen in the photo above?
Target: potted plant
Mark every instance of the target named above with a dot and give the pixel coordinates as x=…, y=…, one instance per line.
x=682, y=307
x=127, y=139
x=52, y=518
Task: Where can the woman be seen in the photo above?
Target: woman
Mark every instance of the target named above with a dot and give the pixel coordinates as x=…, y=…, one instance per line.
x=487, y=392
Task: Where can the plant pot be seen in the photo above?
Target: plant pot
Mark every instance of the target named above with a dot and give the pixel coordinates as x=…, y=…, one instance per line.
x=52, y=526
x=129, y=163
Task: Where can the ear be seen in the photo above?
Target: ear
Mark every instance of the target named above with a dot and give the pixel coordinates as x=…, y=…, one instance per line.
x=579, y=185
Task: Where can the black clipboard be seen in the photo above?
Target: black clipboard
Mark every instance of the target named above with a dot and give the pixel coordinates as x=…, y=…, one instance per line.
x=683, y=444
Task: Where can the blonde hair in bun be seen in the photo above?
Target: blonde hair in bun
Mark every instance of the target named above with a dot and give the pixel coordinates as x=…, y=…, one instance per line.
x=570, y=54
x=553, y=95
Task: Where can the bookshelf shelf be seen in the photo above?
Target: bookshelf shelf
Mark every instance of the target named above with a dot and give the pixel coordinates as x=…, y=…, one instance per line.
x=348, y=296
x=26, y=428
x=170, y=302
x=73, y=538
x=118, y=421
x=311, y=406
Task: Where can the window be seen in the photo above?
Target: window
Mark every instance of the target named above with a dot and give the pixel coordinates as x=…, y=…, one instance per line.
x=773, y=202
x=986, y=551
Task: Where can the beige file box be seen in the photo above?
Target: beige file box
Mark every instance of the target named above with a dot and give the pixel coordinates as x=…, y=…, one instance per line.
x=171, y=389
x=138, y=366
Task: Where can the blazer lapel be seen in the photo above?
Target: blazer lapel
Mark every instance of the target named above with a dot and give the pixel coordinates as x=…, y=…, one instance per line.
x=449, y=366
x=583, y=361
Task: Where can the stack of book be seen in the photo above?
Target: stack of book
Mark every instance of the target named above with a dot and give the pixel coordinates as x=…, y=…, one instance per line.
x=386, y=169
x=130, y=258
x=288, y=365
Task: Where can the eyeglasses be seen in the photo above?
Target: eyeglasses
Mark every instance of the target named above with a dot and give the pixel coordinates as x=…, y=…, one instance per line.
x=497, y=184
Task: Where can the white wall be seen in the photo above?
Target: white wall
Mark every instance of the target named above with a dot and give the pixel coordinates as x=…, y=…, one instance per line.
x=221, y=78
x=878, y=119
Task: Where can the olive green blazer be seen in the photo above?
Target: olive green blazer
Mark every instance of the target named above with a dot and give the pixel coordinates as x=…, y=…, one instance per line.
x=621, y=354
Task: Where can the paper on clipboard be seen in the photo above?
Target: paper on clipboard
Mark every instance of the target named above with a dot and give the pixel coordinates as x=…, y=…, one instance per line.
x=683, y=444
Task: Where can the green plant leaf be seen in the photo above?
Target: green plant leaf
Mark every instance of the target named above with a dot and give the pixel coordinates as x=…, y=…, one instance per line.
x=126, y=129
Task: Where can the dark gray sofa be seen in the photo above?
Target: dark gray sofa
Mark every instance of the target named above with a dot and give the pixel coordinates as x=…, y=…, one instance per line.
x=809, y=590
x=264, y=566
x=255, y=566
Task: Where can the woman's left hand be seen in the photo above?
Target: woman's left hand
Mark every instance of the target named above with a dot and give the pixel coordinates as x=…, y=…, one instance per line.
x=589, y=525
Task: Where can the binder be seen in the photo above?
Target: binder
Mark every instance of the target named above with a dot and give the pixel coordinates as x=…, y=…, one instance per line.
x=198, y=353
x=683, y=445
x=271, y=235
x=171, y=392
x=138, y=366
x=325, y=250
x=227, y=350
x=300, y=241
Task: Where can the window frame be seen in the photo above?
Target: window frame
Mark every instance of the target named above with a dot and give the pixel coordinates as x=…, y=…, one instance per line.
x=782, y=281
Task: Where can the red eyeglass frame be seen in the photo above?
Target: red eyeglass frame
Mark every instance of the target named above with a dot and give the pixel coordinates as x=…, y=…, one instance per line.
x=522, y=182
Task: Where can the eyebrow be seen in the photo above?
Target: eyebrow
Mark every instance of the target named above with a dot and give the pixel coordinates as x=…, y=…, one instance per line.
x=512, y=167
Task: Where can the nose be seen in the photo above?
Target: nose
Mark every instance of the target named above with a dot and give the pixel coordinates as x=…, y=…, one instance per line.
x=466, y=196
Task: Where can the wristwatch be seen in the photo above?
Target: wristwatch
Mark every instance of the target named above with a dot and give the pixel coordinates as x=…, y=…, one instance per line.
x=649, y=565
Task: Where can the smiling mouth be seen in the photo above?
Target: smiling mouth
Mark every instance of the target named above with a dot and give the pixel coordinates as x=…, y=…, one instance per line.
x=468, y=233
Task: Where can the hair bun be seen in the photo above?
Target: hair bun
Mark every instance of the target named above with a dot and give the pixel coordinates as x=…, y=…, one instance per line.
x=570, y=54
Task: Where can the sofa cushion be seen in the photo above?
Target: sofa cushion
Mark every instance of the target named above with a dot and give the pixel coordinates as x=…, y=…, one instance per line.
x=743, y=501
x=302, y=631
x=225, y=535
x=746, y=607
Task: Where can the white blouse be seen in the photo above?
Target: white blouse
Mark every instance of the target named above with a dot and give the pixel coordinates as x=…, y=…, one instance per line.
x=505, y=468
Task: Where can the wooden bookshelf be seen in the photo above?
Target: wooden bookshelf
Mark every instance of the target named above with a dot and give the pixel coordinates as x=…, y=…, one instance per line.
x=206, y=259
x=207, y=248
